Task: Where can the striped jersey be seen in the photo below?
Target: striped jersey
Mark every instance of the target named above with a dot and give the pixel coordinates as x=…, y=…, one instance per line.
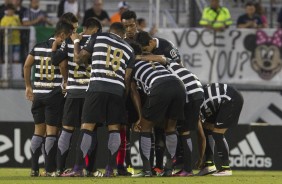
x=193, y=86
x=166, y=48
x=214, y=94
x=47, y=76
x=110, y=57
x=150, y=74
x=78, y=75
x=32, y=14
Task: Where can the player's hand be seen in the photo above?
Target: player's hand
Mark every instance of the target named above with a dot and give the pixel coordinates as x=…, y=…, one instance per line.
x=64, y=88
x=29, y=94
x=75, y=36
x=137, y=126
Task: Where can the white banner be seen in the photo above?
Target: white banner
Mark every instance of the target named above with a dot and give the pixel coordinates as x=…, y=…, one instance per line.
x=238, y=56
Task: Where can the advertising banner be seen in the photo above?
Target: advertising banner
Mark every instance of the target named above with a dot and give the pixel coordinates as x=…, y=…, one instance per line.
x=251, y=147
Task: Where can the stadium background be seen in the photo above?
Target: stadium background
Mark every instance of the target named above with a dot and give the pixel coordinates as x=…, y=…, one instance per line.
x=221, y=57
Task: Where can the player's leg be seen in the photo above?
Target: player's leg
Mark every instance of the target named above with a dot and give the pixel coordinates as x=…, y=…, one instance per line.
x=37, y=139
x=71, y=116
x=228, y=116
x=115, y=118
x=159, y=147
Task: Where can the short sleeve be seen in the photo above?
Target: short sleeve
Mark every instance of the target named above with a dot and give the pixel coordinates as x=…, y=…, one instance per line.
x=89, y=44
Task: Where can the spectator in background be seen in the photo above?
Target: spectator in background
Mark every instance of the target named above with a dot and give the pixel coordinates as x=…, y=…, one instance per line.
x=250, y=19
x=9, y=20
x=142, y=25
x=66, y=6
x=97, y=12
x=236, y=3
x=3, y=8
x=34, y=16
x=279, y=18
x=123, y=6
x=261, y=12
x=216, y=17
x=19, y=8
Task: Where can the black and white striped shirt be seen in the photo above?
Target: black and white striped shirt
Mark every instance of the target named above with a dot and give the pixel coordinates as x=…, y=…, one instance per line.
x=147, y=74
x=32, y=14
x=110, y=57
x=78, y=75
x=47, y=76
x=193, y=86
x=214, y=94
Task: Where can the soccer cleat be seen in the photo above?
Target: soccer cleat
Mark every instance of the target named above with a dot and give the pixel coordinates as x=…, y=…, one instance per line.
x=121, y=171
x=166, y=173
x=93, y=174
x=130, y=170
x=142, y=174
x=72, y=173
x=183, y=173
x=47, y=174
x=224, y=172
x=34, y=173
x=156, y=171
x=109, y=172
x=207, y=170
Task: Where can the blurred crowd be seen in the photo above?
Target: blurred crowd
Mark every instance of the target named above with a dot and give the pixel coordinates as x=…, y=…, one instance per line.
x=13, y=13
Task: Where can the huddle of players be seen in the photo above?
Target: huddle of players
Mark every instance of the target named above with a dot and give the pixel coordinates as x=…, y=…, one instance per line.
x=96, y=71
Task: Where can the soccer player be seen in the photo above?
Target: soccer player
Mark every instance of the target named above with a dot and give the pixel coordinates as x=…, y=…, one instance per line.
x=78, y=79
x=164, y=103
x=46, y=97
x=220, y=110
x=194, y=99
x=112, y=63
x=158, y=46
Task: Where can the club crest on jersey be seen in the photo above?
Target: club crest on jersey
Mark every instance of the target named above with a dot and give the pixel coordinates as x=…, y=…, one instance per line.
x=173, y=53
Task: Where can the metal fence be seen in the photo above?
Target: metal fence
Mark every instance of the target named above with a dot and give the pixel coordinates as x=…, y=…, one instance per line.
x=12, y=56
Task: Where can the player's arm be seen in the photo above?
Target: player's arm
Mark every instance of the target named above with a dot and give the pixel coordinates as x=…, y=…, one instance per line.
x=127, y=80
x=157, y=58
x=137, y=104
x=201, y=143
x=64, y=71
x=81, y=56
x=58, y=55
x=27, y=73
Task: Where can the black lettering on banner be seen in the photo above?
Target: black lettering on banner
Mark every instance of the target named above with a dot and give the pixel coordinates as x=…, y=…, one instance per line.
x=212, y=59
x=202, y=36
x=218, y=36
x=237, y=33
x=179, y=40
x=245, y=56
x=192, y=60
x=192, y=38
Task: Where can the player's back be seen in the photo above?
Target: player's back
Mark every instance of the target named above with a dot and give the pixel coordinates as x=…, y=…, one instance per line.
x=193, y=86
x=47, y=76
x=110, y=57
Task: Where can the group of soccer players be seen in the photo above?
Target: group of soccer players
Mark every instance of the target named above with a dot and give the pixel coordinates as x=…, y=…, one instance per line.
x=127, y=81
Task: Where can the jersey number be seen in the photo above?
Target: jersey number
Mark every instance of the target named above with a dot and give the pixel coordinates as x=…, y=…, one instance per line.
x=77, y=75
x=115, y=62
x=48, y=76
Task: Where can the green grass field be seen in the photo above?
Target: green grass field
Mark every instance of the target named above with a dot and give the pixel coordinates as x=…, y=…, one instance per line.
x=239, y=177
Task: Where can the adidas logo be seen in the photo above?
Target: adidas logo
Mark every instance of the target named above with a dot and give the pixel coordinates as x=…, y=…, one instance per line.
x=249, y=153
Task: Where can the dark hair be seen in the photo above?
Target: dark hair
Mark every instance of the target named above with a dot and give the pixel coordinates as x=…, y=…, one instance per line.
x=128, y=15
x=249, y=3
x=140, y=20
x=92, y=23
x=69, y=17
x=143, y=38
x=10, y=6
x=117, y=27
x=136, y=47
x=63, y=27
